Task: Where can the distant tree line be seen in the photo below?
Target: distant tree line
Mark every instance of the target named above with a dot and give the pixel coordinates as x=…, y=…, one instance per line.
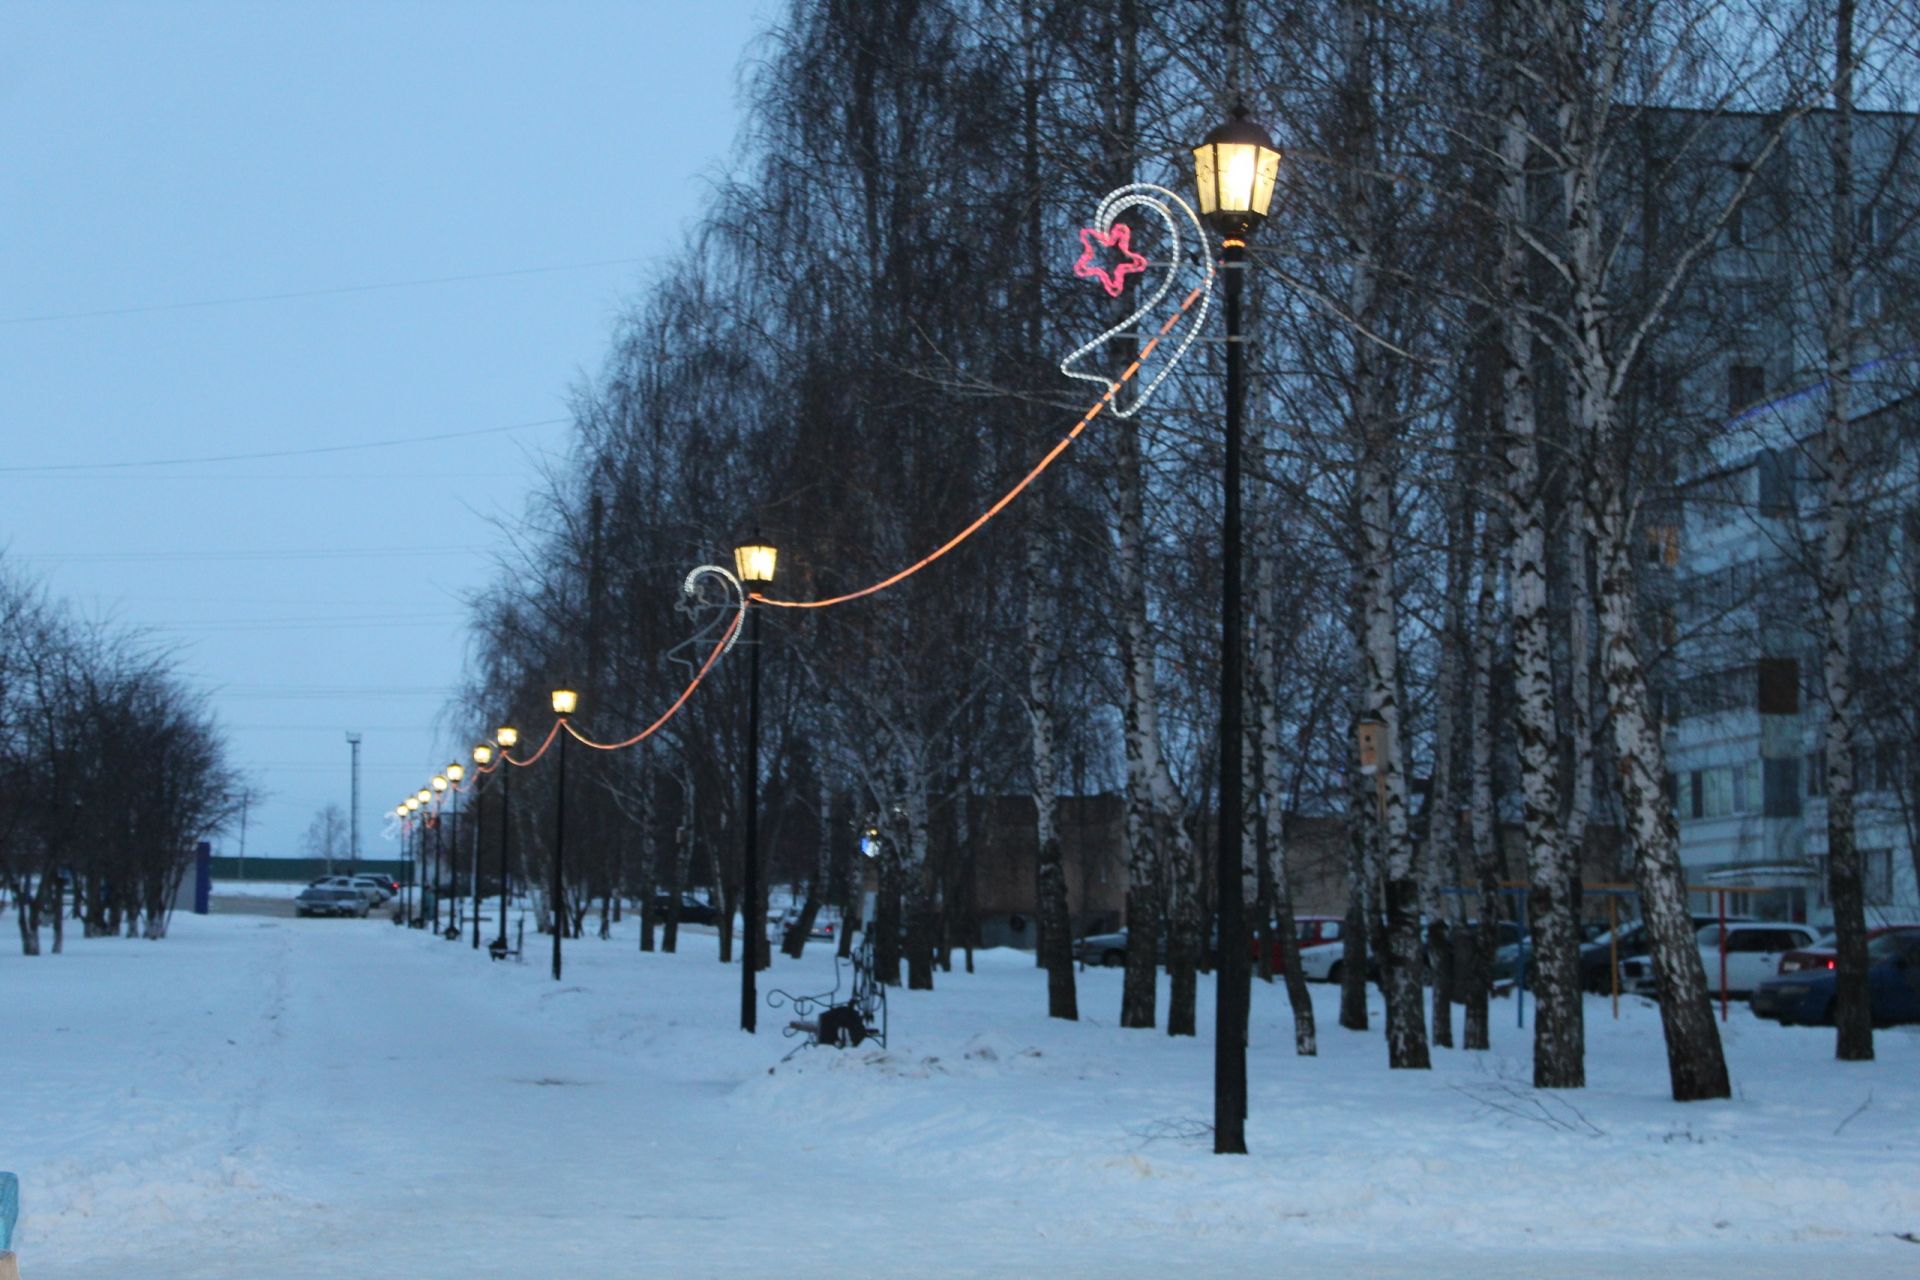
x=111, y=771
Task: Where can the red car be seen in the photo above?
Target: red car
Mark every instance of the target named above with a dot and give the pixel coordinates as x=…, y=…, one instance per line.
x=1821, y=954
x=1311, y=930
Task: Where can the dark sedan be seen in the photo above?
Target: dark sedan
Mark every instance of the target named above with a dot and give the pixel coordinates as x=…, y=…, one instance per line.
x=1893, y=984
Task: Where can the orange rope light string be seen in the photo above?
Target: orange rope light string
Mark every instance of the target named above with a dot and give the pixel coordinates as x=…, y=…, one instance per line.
x=719, y=648
x=1086, y=420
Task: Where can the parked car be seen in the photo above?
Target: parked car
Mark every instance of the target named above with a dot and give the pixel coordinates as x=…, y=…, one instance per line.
x=1109, y=949
x=778, y=924
x=1326, y=962
x=1893, y=986
x=1753, y=951
x=318, y=900
x=1821, y=955
x=1312, y=931
x=1598, y=955
x=351, y=884
x=692, y=910
x=384, y=887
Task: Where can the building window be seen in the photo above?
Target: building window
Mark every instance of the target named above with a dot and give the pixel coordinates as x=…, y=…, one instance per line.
x=1868, y=303
x=1746, y=384
x=1782, y=788
x=1869, y=234
x=1876, y=876
x=1816, y=774
x=1773, y=469
x=1694, y=806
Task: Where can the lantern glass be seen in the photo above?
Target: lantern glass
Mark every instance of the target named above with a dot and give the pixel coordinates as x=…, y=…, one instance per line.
x=423, y=795
x=400, y=811
x=456, y=771
x=507, y=736
x=1234, y=171
x=564, y=701
x=482, y=754
x=439, y=782
x=755, y=562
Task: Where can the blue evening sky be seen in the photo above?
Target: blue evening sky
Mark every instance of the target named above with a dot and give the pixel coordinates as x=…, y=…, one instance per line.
x=158, y=154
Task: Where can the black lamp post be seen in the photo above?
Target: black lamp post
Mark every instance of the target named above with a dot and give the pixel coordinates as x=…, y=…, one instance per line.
x=455, y=772
x=1234, y=170
x=564, y=702
x=755, y=564
x=417, y=916
x=507, y=736
x=439, y=844
x=482, y=756
x=405, y=814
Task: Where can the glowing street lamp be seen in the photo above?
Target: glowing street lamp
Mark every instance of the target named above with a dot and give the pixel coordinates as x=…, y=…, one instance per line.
x=1234, y=169
x=564, y=703
x=755, y=562
x=507, y=737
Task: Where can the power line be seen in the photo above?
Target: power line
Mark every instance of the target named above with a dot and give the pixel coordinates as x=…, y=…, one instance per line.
x=281, y=453
x=200, y=303
x=308, y=553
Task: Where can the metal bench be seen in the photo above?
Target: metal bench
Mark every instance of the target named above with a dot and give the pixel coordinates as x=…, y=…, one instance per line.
x=824, y=1019
x=498, y=949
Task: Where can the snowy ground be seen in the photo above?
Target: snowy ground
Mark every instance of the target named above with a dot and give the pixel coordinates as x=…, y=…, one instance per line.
x=294, y=1098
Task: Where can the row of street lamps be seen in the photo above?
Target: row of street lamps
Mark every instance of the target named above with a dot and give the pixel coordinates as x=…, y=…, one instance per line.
x=754, y=564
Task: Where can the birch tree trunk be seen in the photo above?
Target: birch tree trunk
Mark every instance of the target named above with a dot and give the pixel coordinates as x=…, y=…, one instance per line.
x=1054, y=926
x=795, y=941
x=1581, y=82
x=1853, y=1008
x=1351, y=969
x=915, y=890
x=1558, y=1044
x=1443, y=826
x=1406, y=1018
x=1266, y=693
x=1140, y=716
x=1486, y=851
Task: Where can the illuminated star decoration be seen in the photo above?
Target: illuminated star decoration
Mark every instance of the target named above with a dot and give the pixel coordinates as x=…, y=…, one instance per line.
x=1131, y=263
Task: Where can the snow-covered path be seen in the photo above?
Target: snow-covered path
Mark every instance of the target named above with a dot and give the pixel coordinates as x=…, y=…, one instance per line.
x=256, y=1098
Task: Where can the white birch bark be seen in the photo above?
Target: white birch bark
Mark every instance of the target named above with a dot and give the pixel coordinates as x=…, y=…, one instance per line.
x=1558, y=1050
x=1584, y=68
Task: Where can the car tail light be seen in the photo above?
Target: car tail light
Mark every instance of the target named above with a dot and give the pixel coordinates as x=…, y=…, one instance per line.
x=1829, y=964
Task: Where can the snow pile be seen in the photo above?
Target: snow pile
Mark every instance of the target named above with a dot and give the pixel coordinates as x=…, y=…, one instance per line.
x=297, y=1098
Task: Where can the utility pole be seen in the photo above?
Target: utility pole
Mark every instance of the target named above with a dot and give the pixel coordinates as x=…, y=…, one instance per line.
x=353, y=812
x=246, y=802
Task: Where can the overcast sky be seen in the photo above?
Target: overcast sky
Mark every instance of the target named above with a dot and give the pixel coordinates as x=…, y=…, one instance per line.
x=158, y=161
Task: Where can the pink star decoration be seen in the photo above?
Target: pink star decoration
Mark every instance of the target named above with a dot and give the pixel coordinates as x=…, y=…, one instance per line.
x=1130, y=262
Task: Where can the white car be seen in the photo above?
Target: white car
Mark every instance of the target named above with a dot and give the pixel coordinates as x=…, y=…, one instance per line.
x=353, y=884
x=1322, y=963
x=1753, y=952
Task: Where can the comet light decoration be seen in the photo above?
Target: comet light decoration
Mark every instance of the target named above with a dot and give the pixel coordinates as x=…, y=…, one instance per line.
x=1161, y=203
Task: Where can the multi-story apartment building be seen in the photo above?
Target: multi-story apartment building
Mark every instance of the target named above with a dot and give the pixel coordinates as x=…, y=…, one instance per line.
x=1737, y=543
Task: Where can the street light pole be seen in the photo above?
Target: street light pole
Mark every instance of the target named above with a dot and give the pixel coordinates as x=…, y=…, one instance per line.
x=1230, y=1040
x=455, y=773
x=564, y=702
x=507, y=737
x=1234, y=171
x=755, y=564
